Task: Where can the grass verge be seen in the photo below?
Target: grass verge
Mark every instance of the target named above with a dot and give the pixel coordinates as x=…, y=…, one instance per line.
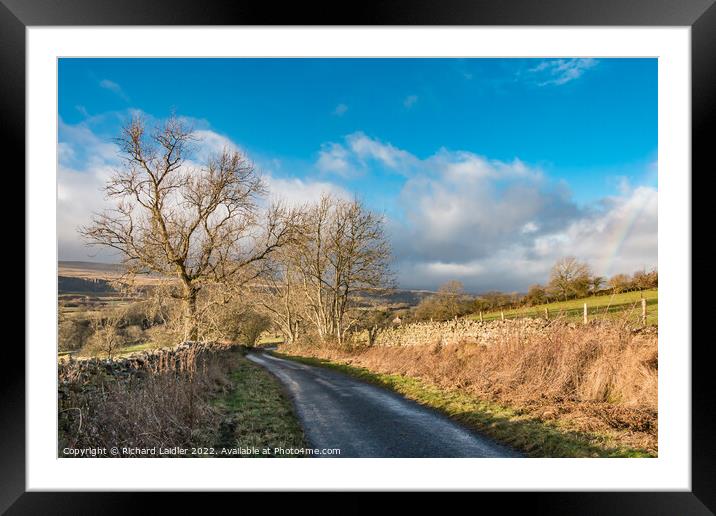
x=534, y=437
x=256, y=413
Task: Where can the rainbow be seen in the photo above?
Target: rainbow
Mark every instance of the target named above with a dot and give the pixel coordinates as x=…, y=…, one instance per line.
x=621, y=233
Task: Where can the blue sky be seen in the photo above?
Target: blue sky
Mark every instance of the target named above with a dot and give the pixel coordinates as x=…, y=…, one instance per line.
x=574, y=140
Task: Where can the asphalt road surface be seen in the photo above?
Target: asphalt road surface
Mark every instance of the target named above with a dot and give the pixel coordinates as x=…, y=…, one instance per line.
x=363, y=420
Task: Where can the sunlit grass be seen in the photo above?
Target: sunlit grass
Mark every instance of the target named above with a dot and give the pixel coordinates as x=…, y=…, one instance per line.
x=257, y=414
x=607, y=306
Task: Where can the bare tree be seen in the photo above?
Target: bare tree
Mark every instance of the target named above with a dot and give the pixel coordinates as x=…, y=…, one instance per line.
x=199, y=223
x=570, y=277
x=344, y=249
x=107, y=337
x=597, y=282
x=536, y=295
x=451, y=294
x=643, y=279
x=226, y=318
x=619, y=283
x=280, y=295
x=372, y=321
x=449, y=302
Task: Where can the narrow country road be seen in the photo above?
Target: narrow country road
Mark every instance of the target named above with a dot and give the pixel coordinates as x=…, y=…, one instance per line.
x=363, y=420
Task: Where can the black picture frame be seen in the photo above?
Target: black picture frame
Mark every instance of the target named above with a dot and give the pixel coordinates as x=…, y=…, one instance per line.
x=700, y=15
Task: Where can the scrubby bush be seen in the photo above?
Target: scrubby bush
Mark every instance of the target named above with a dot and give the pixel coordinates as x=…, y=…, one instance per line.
x=107, y=338
x=619, y=283
x=536, y=295
x=164, y=336
x=73, y=333
x=252, y=325
x=142, y=314
x=643, y=280
x=493, y=300
x=234, y=322
x=570, y=278
x=134, y=334
x=448, y=303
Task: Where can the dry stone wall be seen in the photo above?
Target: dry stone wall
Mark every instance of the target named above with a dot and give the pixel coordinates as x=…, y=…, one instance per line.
x=180, y=359
x=458, y=331
x=462, y=331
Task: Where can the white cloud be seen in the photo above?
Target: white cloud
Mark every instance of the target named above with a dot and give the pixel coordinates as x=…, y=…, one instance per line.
x=355, y=156
x=333, y=158
x=486, y=243
x=501, y=225
x=410, y=101
x=65, y=152
x=491, y=224
x=560, y=71
x=210, y=143
x=79, y=195
x=530, y=227
x=295, y=192
x=495, y=224
x=367, y=148
x=114, y=88
x=341, y=109
x=83, y=111
x=623, y=184
x=81, y=143
x=618, y=236
x=86, y=161
x=462, y=207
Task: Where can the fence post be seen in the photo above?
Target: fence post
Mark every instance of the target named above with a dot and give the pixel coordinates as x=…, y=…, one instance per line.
x=643, y=312
x=585, y=313
x=502, y=314
x=546, y=313
x=480, y=315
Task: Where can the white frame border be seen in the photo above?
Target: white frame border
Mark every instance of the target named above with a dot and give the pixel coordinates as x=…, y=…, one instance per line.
x=670, y=471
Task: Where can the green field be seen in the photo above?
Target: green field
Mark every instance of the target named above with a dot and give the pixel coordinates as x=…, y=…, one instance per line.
x=627, y=304
x=269, y=340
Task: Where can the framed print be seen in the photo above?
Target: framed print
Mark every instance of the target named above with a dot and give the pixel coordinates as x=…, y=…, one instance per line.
x=423, y=243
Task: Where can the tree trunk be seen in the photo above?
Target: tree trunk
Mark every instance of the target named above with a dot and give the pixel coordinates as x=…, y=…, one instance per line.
x=372, y=334
x=191, y=330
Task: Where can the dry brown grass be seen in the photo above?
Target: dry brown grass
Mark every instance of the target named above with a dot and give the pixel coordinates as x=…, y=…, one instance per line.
x=598, y=378
x=162, y=403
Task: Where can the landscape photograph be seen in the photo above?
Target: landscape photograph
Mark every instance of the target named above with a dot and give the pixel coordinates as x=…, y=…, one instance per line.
x=357, y=257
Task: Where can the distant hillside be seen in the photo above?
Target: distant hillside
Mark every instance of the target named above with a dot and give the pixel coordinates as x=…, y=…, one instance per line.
x=95, y=271
x=91, y=266
x=76, y=276
x=66, y=284
x=396, y=296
